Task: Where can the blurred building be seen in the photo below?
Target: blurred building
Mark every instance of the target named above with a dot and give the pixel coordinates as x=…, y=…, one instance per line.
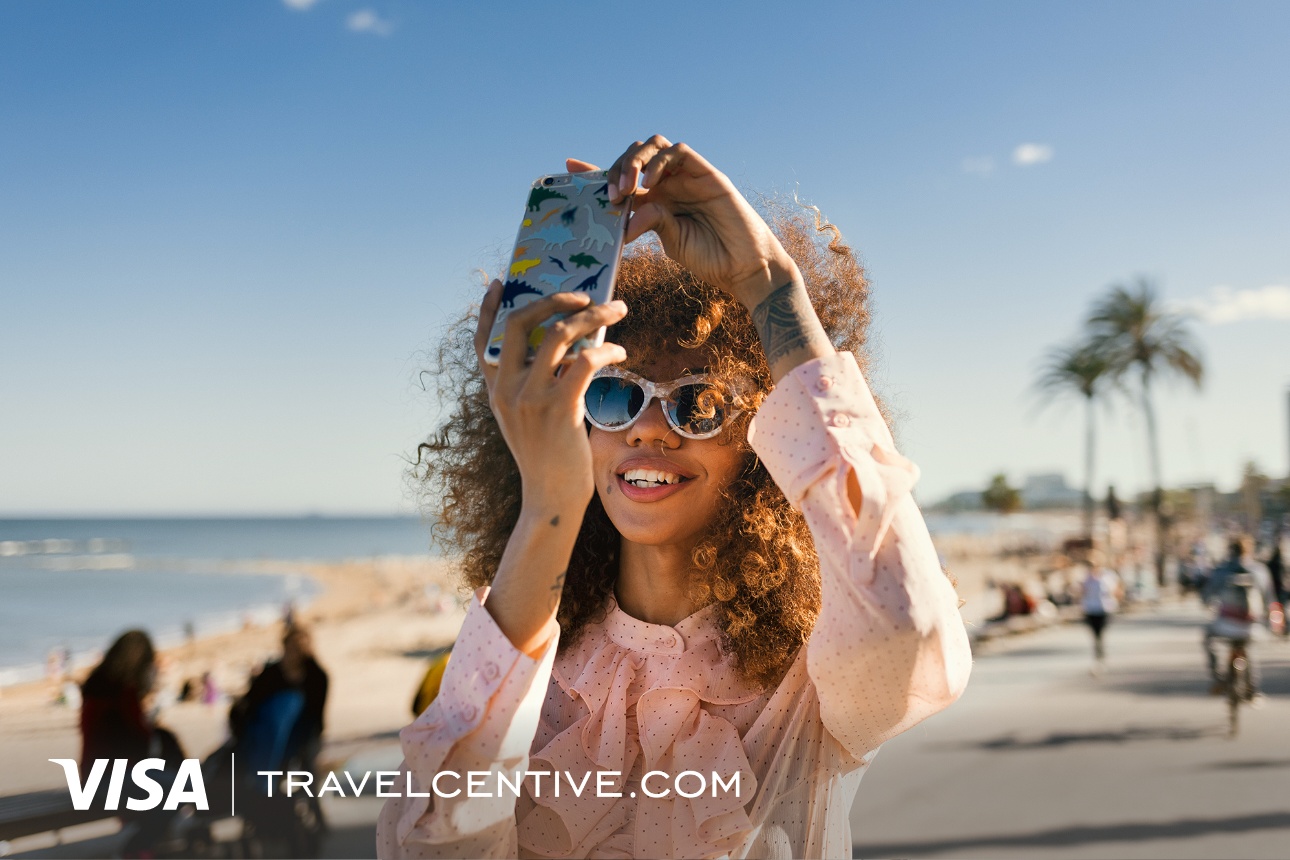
x=1049, y=490
x=1038, y=492
x=966, y=500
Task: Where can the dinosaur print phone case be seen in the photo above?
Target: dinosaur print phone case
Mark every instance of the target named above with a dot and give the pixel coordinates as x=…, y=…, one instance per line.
x=571, y=239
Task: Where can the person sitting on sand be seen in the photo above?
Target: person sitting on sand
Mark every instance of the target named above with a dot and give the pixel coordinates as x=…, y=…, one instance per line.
x=721, y=572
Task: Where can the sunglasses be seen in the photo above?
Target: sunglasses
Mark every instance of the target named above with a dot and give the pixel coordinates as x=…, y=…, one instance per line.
x=694, y=405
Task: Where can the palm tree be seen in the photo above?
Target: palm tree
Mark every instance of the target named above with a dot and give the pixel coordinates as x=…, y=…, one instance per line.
x=1136, y=334
x=1082, y=369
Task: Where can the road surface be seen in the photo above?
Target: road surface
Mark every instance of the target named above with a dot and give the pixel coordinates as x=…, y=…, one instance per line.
x=1042, y=760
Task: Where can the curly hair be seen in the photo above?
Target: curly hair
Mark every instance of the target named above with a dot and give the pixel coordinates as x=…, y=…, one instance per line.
x=757, y=560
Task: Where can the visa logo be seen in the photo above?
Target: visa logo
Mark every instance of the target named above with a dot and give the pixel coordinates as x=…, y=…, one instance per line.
x=187, y=786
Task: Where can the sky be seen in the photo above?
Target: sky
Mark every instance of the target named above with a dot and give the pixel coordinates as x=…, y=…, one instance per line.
x=230, y=233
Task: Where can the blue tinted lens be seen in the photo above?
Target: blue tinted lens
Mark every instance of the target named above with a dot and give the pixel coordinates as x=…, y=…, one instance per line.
x=612, y=401
x=688, y=407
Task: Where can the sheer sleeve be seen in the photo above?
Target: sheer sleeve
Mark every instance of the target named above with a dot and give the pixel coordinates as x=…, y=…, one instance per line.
x=483, y=720
x=889, y=648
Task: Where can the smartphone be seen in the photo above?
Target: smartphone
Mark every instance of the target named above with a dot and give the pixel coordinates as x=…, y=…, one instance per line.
x=571, y=239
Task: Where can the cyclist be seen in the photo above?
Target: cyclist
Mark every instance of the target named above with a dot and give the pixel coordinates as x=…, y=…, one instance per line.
x=1239, y=592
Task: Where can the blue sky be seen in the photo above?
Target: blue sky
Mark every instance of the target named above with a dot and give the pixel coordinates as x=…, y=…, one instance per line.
x=229, y=231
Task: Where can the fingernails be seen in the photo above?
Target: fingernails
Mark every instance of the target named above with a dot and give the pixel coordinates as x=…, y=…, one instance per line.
x=618, y=305
x=624, y=186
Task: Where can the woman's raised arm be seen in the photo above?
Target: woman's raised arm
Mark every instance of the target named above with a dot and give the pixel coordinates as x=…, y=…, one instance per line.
x=490, y=700
x=889, y=647
x=540, y=415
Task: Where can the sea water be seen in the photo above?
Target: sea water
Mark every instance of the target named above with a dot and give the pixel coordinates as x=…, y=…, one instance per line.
x=72, y=585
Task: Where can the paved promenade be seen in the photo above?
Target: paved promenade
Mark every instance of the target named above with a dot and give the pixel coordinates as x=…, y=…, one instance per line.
x=1042, y=760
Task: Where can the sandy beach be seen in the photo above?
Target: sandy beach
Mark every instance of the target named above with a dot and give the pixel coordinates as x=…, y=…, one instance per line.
x=372, y=626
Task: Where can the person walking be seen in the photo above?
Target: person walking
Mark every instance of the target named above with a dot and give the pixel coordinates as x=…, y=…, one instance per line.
x=1102, y=592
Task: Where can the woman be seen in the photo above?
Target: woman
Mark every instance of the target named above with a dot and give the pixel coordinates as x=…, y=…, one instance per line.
x=654, y=594
x=115, y=725
x=114, y=721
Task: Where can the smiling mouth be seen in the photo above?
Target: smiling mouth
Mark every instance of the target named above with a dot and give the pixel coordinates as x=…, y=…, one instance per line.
x=648, y=478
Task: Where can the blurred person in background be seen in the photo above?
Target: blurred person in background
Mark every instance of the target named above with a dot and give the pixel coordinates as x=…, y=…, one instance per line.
x=281, y=716
x=278, y=726
x=1277, y=568
x=1239, y=594
x=115, y=724
x=1101, y=592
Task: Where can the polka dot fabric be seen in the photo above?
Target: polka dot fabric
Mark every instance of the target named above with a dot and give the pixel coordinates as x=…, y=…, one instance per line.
x=888, y=650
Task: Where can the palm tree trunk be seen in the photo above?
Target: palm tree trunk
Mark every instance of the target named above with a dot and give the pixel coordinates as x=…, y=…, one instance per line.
x=1088, y=472
x=1157, y=491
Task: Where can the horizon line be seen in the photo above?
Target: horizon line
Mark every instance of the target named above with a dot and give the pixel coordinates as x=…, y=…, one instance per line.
x=207, y=515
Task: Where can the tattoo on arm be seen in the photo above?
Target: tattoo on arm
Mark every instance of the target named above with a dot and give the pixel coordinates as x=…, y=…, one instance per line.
x=557, y=589
x=782, y=321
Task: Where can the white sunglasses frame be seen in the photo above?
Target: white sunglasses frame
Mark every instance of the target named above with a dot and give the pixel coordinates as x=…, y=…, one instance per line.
x=655, y=390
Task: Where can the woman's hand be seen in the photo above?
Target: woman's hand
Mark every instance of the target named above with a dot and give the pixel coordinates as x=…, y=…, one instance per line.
x=539, y=411
x=538, y=405
x=705, y=224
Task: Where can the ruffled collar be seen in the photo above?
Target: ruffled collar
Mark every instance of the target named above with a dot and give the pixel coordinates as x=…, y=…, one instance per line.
x=646, y=638
x=644, y=686
x=691, y=650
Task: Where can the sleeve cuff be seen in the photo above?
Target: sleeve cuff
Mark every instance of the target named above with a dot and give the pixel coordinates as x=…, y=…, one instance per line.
x=487, y=681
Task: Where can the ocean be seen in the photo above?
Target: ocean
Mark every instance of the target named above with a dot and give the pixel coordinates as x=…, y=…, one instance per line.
x=74, y=584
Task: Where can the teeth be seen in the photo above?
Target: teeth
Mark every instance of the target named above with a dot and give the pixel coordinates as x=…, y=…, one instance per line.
x=650, y=477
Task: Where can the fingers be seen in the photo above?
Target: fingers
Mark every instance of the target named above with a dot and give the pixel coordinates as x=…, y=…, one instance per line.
x=577, y=165
x=677, y=158
x=562, y=334
x=487, y=315
x=575, y=377
x=521, y=323
x=651, y=216
x=626, y=172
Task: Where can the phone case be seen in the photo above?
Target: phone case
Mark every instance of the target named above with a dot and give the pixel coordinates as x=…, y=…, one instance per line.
x=571, y=239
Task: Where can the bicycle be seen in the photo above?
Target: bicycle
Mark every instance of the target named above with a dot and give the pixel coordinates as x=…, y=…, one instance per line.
x=1238, y=687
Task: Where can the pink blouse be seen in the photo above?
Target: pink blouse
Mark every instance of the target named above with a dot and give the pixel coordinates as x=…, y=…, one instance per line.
x=888, y=650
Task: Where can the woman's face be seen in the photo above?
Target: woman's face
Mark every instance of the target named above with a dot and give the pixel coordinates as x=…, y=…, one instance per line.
x=673, y=514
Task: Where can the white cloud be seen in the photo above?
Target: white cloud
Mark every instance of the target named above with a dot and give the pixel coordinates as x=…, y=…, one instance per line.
x=982, y=165
x=299, y=5
x=1032, y=153
x=1226, y=305
x=367, y=21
